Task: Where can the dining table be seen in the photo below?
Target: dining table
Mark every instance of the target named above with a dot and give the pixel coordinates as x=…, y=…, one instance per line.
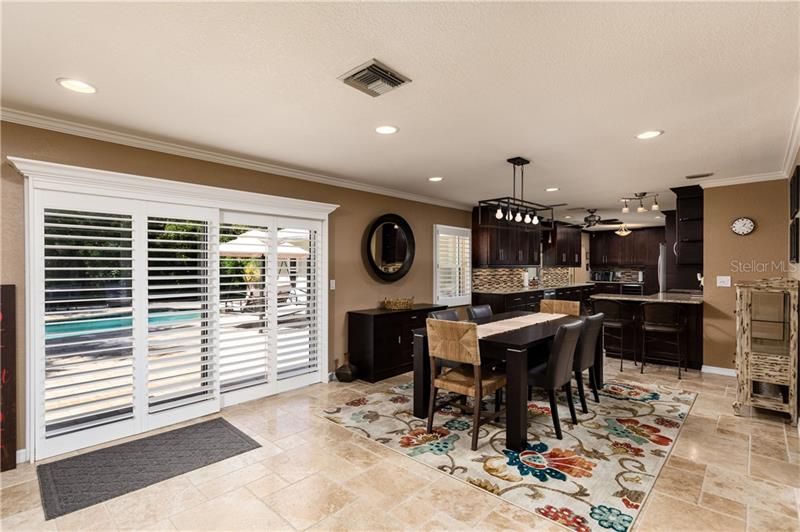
x=518, y=348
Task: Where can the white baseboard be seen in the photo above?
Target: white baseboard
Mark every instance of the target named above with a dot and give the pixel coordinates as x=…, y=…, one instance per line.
x=728, y=372
x=22, y=455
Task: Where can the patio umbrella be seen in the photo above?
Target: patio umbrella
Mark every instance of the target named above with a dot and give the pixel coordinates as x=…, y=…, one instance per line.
x=253, y=243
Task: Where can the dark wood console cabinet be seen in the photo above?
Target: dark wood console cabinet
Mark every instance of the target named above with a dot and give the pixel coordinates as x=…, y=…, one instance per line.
x=381, y=342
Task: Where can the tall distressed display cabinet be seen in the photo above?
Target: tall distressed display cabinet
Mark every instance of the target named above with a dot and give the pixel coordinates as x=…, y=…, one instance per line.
x=766, y=345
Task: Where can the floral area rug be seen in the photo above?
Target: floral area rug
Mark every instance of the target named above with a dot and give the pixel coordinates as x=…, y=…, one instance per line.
x=597, y=477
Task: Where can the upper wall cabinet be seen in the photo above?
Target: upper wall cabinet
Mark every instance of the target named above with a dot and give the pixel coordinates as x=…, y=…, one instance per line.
x=562, y=246
x=640, y=248
x=503, y=243
x=689, y=225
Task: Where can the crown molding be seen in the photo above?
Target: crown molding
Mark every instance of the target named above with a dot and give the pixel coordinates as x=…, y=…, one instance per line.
x=45, y=175
x=127, y=139
x=793, y=149
x=741, y=180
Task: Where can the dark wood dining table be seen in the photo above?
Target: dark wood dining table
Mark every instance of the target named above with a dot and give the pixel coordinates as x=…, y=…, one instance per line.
x=514, y=347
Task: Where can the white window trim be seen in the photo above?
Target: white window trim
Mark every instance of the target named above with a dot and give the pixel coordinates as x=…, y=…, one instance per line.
x=438, y=229
x=43, y=175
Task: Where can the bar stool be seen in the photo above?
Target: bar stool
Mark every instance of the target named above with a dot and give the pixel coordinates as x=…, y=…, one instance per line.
x=615, y=320
x=663, y=319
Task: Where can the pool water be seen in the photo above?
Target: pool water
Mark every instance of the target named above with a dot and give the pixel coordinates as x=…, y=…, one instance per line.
x=78, y=327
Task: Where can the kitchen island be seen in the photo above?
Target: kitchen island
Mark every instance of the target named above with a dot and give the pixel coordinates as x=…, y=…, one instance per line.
x=693, y=338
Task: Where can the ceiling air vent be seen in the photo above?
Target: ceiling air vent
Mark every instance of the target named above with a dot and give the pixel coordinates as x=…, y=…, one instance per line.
x=374, y=78
x=700, y=176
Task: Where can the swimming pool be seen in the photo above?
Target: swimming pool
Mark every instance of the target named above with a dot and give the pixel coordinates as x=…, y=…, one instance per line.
x=101, y=325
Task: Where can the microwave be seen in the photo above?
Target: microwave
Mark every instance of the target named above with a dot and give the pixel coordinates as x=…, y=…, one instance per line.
x=603, y=276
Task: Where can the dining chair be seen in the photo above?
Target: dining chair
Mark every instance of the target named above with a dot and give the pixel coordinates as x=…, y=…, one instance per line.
x=659, y=321
x=457, y=341
x=556, y=373
x=479, y=312
x=585, y=356
x=446, y=314
x=615, y=323
x=560, y=306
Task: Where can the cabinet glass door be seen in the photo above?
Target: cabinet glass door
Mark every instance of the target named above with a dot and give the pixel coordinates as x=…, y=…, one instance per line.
x=769, y=329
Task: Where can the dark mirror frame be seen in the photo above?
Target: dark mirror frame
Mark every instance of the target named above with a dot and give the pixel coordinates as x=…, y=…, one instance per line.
x=410, y=247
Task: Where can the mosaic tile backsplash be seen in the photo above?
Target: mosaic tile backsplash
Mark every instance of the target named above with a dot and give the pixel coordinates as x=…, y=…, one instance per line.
x=485, y=279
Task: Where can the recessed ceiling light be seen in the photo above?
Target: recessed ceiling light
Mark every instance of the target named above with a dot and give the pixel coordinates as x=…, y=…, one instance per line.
x=76, y=85
x=551, y=189
x=386, y=130
x=657, y=217
x=645, y=135
x=568, y=216
x=435, y=179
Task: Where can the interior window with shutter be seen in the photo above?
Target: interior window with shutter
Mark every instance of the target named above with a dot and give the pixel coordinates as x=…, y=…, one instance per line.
x=181, y=363
x=452, y=267
x=88, y=305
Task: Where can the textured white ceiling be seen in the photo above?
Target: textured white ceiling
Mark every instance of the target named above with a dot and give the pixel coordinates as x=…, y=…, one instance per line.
x=566, y=85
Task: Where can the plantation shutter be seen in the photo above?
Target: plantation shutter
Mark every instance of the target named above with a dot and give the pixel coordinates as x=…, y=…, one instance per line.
x=243, y=281
x=182, y=366
x=299, y=293
x=452, y=270
x=88, y=320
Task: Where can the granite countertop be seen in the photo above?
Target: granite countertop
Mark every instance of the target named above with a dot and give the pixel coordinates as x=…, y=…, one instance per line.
x=521, y=290
x=659, y=297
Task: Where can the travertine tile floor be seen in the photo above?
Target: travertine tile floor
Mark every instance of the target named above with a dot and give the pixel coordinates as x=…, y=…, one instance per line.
x=725, y=473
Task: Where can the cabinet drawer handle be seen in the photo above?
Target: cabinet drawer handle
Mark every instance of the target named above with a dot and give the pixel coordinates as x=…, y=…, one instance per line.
x=399, y=339
x=413, y=317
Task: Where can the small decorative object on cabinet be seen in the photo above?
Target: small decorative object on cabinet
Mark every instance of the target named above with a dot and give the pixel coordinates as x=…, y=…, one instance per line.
x=398, y=303
x=8, y=378
x=766, y=345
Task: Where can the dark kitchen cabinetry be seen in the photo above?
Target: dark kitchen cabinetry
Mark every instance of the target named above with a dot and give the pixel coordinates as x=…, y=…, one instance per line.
x=507, y=244
x=381, y=342
x=607, y=288
x=562, y=246
x=688, y=225
x=527, y=301
x=640, y=248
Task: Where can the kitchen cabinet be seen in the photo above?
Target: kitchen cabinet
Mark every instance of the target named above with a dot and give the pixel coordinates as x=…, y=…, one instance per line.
x=606, y=288
x=562, y=246
x=527, y=300
x=506, y=244
x=688, y=225
x=640, y=248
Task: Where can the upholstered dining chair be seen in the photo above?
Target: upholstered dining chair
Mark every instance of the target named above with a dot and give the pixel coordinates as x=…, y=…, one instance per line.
x=556, y=373
x=585, y=356
x=560, y=306
x=446, y=314
x=457, y=341
x=479, y=312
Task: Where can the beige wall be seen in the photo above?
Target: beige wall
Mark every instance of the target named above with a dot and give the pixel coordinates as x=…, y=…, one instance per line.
x=355, y=288
x=764, y=251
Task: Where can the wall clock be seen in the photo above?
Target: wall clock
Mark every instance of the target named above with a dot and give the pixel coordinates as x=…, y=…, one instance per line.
x=743, y=226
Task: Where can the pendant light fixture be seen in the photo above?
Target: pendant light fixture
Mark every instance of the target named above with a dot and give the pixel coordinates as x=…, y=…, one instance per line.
x=626, y=209
x=640, y=209
x=623, y=230
x=655, y=206
x=513, y=208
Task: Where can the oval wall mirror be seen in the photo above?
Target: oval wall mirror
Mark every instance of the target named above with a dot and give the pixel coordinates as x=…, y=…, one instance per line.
x=390, y=247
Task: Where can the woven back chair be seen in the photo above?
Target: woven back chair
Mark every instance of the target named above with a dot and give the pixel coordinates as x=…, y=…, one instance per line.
x=560, y=306
x=457, y=341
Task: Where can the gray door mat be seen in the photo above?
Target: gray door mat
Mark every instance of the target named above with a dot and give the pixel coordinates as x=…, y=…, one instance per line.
x=79, y=481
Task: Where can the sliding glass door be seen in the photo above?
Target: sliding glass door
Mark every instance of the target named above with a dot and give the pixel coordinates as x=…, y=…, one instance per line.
x=147, y=314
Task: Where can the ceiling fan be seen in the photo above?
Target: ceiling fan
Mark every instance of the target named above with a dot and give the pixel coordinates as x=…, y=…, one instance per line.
x=593, y=219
